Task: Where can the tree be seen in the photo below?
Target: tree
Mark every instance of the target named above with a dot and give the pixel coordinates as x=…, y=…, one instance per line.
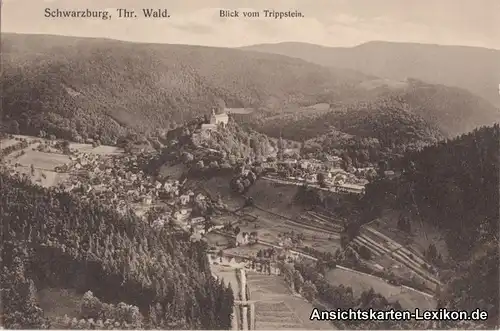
x=321, y=179
x=115, y=245
x=14, y=127
x=187, y=157
x=90, y=306
x=382, y=167
x=65, y=147
x=208, y=224
x=346, y=162
x=309, y=290
x=199, y=208
x=251, y=177
x=431, y=253
x=298, y=281
x=18, y=293
x=365, y=253
x=281, y=148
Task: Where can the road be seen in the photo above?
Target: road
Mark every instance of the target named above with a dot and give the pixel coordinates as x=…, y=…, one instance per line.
x=266, y=243
x=244, y=308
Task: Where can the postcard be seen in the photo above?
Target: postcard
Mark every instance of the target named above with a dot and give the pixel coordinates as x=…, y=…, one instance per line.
x=250, y=165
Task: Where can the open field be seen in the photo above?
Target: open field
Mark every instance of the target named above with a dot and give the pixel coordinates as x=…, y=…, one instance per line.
x=274, y=197
x=217, y=240
x=43, y=163
x=277, y=308
x=4, y=143
x=44, y=178
x=359, y=283
x=220, y=186
x=41, y=160
x=101, y=150
x=57, y=302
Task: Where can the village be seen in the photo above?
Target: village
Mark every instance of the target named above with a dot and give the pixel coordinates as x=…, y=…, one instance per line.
x=250, y=240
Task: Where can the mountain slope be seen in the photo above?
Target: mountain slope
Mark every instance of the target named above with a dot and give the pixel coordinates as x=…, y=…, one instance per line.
x=472, y=68
x=453, y=185
x=97, y=88
x=79, y=88
x=54, y=239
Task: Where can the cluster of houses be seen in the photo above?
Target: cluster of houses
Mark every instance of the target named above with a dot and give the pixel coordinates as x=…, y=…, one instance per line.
x=309, y=171
x=117, y=180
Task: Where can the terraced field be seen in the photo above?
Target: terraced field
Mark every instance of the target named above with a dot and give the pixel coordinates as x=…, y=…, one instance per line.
x=277, y=308
x=381, y=245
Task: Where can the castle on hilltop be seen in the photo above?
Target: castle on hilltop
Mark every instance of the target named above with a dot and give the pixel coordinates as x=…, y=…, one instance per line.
x=218, y=116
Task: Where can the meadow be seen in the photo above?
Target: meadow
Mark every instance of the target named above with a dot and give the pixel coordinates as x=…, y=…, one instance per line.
x=358, y=282
x=277, y=308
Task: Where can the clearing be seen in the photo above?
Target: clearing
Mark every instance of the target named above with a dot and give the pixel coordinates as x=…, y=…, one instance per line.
x=43, y=163
x=43, y=160
x=219, y=186
x=217, y=240
x=57, y=302
x=277, y=308
x=4, y=143
x=358, y=282
x=44, y=178
x=101, y=150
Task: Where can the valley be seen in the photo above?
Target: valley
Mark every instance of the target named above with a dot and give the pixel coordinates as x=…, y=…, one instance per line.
x=162, y=186
x=273, y=220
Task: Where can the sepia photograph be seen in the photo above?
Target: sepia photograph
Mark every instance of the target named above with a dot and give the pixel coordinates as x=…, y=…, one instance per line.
x=250, y=165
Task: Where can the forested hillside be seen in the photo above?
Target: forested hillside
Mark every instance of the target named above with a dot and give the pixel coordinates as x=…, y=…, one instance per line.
x=78, y=88
x=84, y=88
x=455, y=186
x=52, y=239
x=366, y=131
x=473, y=68
x=452, y=110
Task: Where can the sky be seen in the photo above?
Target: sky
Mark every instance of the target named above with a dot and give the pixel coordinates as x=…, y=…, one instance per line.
x=342, y=23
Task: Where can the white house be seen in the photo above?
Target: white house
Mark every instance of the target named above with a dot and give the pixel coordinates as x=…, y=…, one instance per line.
x=184, y=199
x=242, y=238
x=197, y=220
x=219, y=117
